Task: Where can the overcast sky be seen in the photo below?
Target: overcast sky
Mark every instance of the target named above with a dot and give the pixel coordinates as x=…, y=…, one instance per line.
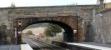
x=7, y=3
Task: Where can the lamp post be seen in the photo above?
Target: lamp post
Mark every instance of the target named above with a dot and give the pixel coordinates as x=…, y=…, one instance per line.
x=19, y=23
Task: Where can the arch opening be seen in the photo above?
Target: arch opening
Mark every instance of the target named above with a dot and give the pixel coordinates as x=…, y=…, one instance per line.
x=68, y=35
x=45, y=32
x=68, y=31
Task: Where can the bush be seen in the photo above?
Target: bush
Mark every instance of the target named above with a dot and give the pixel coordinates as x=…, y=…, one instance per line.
x=29, y=32
x=52, y=30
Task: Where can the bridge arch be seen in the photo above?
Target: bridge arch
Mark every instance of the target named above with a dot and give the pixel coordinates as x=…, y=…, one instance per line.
x=68, y=23
x=68, y=34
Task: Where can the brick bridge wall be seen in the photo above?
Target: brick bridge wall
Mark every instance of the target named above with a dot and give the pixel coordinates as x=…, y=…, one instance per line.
x=68, y=23
x=84, y=11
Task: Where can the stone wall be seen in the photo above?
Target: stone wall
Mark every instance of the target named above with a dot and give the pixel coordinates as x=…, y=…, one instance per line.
x=4, y=17
x=85, y=12
x=102, y=23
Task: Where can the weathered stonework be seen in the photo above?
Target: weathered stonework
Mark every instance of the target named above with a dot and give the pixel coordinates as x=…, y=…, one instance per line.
x=102, y=23
x=84, y=13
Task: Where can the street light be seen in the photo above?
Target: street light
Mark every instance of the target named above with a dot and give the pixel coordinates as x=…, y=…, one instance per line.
x=19, y=23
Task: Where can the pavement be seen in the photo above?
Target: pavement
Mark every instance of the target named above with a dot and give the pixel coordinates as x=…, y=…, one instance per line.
x=91, y=45
x=25, y=47
x=15, y=47
x=9, y=47
x=98, y=44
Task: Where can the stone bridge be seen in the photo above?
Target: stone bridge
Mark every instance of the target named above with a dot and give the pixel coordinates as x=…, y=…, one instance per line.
x=69, y=17
x=68, y=23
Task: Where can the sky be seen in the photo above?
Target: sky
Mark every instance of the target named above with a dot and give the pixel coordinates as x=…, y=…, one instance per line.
x=20, y=3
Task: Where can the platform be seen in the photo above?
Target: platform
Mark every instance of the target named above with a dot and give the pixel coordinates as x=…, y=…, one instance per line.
x=15, y=47
x=90, y=45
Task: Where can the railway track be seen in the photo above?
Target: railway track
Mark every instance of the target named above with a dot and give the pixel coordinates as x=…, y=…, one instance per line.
x=37, y=44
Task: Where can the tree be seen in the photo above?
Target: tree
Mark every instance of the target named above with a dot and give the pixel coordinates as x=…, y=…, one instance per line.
x=29, y=32
x=52, y=30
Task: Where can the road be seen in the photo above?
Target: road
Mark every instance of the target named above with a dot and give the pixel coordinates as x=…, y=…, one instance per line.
x=41, y=45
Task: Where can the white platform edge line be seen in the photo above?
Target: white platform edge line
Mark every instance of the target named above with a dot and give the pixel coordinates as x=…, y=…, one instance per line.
x=90, y=46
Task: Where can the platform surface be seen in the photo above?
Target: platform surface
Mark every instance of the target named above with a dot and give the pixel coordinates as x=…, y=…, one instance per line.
x=92, y=45
x=15, y=47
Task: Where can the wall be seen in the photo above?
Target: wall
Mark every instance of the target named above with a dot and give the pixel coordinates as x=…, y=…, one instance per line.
x=85, y=12
x=107, y=5
x=102, y=23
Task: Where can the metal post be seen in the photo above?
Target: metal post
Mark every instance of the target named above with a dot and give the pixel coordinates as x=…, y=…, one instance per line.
x=19, y=41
